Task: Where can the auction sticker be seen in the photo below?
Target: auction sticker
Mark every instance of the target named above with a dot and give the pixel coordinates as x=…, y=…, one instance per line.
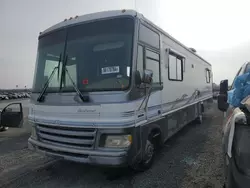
x=110, y=70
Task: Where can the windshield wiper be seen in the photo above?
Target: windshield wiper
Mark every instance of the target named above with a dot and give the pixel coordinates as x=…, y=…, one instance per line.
x=41, y=96
x=65, y=70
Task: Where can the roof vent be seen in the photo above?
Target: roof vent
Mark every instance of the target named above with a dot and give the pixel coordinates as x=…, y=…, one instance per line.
x=193, y=50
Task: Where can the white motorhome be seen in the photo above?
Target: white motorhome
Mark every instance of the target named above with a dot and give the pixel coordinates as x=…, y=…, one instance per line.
x=110, y=87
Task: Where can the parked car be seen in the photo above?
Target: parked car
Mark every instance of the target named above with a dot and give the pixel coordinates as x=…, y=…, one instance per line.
x=10, y=117
x=236, y=137
x=5, y=97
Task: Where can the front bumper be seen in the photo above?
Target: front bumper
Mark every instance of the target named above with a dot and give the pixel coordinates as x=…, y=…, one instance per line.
x=96, y=157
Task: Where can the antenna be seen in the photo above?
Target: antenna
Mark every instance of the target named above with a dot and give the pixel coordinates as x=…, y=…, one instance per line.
x=135, y=4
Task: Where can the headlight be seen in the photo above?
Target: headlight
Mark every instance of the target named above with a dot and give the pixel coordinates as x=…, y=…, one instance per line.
x=118, y=141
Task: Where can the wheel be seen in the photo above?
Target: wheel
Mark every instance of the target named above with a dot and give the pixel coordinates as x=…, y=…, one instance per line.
x=199, y=119
x=148, y=157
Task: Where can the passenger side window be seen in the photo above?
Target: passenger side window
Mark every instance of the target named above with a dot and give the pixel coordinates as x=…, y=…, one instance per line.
x=153, y=63
x=175, y=68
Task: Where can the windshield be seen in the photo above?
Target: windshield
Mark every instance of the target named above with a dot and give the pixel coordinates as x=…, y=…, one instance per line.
x=98, y=56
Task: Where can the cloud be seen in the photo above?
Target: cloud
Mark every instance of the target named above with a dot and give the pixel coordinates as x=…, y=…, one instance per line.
x=227, y=62
x=203, y=25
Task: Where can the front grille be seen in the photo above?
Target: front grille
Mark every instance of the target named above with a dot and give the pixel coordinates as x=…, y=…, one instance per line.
x=71, y=137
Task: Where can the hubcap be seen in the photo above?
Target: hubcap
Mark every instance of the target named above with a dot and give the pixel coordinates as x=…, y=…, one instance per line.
x=149, y=152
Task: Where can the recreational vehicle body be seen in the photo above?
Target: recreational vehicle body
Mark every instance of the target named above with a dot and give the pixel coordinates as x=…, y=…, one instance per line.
x=110, y=87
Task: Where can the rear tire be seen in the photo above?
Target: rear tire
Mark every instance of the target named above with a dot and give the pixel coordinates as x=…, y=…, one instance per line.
x=199, y=119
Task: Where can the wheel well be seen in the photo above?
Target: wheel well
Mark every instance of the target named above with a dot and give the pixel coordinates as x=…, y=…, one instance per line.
x=155, y=135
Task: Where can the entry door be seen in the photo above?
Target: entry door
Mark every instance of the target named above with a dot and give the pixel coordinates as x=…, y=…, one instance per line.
x=12, y=115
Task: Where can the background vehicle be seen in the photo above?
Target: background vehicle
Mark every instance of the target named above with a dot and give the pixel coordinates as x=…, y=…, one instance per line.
x=126, y=87
x=11, y=116
x=235, y=138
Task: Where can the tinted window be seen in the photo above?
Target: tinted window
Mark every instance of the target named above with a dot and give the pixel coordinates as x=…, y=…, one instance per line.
x=149, y=37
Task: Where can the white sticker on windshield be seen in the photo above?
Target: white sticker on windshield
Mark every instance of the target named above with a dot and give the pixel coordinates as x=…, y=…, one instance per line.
x=110, y=70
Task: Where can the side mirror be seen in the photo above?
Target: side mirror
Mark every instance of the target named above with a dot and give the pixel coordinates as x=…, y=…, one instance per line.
x=222, y=102
x=138, y=80
x=224, y=87
x=147, y=76
x=222, y=97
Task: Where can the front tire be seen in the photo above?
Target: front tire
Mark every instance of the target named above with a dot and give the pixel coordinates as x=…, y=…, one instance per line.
x=148, y=157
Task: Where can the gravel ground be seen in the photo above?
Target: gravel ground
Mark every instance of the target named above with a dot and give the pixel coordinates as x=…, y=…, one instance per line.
x=192, y=158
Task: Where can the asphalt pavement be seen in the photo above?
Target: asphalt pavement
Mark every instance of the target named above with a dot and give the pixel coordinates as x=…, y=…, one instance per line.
x=192, y=158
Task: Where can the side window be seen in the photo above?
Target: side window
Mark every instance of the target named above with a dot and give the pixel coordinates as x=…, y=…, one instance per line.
x=140, y=60
x=175, y=68
x=247, y=69
x=232, y=87
x=149, y=36
x=153, y=63
x=208, y=76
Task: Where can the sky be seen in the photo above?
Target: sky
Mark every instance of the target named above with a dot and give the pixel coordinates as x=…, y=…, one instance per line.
x=217, y=29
